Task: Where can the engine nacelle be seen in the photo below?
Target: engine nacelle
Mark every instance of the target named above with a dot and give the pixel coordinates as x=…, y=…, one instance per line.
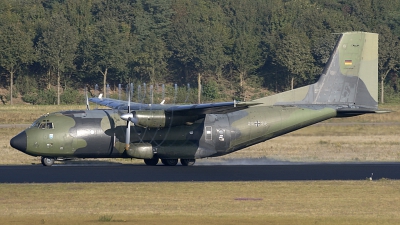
x=149, y=118
x=141, y=151
x=159, y=118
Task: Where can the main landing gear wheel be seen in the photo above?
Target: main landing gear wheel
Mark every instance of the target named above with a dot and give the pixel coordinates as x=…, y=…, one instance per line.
x=169, y=162
x=151, y=162
x=47, y=161
x=188, y=162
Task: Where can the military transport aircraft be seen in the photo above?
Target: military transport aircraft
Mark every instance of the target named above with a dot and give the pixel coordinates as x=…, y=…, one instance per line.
x=347, y=87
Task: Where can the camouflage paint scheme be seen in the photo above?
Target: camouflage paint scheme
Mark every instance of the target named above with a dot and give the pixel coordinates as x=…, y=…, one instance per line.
x=348, y=86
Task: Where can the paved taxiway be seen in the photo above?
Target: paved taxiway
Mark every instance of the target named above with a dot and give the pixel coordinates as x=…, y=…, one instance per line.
x=139, y=173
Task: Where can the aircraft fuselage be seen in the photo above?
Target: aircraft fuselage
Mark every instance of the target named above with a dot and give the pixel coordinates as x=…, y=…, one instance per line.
x=101, y=133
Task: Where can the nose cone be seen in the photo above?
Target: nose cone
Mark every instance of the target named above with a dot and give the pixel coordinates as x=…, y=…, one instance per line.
x=19, y=141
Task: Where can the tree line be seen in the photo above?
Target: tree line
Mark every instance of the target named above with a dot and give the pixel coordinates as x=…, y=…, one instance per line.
x=234, y=49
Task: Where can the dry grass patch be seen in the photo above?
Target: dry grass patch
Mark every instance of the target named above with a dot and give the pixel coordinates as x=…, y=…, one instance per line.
x=26, y=114
x=322, y=129
x=325, y=148
x=325, y=202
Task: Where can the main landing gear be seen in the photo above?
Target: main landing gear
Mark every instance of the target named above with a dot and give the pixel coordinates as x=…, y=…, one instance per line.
x=169, y=162
x=151, y=162
x=188, y=162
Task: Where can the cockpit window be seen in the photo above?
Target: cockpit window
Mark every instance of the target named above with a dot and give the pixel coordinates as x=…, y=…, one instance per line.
x=46, y=124
x=36, y=123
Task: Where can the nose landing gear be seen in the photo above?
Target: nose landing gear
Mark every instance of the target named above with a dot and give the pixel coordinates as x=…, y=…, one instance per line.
x=47, y=161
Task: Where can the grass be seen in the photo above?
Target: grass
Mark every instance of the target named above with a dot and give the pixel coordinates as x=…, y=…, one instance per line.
x=106, y=218
x=26, y=114
x=322, y=202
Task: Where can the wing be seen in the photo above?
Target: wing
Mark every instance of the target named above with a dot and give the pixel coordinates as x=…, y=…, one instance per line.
x=210, y=108
x=161, y=115
x=192, y=109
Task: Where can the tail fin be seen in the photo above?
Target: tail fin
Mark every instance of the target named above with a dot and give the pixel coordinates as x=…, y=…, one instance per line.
x=349, y=80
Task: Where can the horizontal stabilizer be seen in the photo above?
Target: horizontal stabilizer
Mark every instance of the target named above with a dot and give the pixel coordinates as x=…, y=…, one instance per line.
x=347, y=112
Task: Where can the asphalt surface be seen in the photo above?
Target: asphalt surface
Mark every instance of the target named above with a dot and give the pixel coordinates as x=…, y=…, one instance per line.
x=200, y=173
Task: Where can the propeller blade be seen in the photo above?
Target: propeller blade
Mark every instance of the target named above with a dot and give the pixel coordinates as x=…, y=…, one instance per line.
x=128, y=135
x=87, y=100
x=128, y=123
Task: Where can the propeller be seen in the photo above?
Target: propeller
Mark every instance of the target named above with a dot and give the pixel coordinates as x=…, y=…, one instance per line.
x=128, y=116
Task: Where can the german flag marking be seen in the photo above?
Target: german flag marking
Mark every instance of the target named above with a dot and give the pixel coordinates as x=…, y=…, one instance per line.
x=348, y=62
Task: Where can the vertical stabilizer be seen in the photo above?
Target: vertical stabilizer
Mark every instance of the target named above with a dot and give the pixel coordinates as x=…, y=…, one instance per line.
x=349, y=79
x=351, y=74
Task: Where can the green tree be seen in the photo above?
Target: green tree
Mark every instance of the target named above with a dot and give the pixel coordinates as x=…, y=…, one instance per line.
x=246, y=53
x=151, y=26
x=16, y=46
x=198, y=38
x=294, y=55
x=108, y=47
x=57, y=47
x=389, y=55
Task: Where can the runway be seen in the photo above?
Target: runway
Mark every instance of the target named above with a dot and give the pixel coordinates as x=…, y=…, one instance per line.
x=200, y=173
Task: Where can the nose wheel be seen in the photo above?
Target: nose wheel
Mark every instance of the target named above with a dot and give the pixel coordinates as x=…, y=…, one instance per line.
x=47, y=161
